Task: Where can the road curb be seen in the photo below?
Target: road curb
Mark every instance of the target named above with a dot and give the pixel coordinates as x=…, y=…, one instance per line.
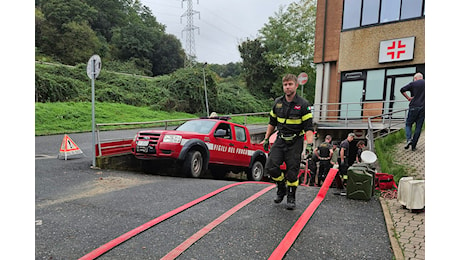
x=397, y=250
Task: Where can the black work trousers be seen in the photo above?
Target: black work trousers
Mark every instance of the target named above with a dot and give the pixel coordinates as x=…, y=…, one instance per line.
x=324, y=167
x=288, y=152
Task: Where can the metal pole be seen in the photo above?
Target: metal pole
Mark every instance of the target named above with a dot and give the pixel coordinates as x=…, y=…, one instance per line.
x=205, y=91
x=93, y=65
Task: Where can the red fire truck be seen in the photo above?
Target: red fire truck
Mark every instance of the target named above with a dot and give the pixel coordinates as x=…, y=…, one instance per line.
x=201, y=144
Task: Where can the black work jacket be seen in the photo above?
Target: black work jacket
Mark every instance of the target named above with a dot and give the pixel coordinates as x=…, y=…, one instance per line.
x=292, y=117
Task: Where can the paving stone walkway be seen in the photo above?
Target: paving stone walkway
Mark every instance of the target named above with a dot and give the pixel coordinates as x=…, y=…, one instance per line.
x=408, y=226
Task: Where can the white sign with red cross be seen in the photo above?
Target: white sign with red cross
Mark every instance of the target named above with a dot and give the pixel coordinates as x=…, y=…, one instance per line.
x=397, y=50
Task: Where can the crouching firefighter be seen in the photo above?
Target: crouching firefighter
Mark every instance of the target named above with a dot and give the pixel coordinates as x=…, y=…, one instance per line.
x=291, y=115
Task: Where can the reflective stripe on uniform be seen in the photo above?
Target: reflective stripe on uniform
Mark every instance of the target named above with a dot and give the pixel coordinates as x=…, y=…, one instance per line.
x=292, y=121
x=280, y=178
x=307, y=116
x=295, y=184
x=289, y=121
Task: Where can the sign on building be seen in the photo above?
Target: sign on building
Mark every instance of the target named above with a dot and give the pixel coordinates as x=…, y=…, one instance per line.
x=397, y=50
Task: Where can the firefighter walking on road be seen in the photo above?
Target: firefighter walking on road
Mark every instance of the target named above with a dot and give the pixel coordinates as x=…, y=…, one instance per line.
x=291, y=115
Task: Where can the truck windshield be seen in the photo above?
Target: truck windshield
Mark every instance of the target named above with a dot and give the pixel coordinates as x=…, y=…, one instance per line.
x=199, y=126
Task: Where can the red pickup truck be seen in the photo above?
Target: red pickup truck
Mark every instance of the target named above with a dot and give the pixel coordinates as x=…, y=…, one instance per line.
x=202, y=144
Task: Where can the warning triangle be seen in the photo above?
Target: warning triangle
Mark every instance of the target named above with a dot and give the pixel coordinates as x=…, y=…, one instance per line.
x=68, y=147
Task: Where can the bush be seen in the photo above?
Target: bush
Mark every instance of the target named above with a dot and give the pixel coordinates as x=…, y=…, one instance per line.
x=182, y=90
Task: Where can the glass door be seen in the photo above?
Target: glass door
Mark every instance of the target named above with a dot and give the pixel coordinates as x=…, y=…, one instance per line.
x=351, y=99
x=394, y=100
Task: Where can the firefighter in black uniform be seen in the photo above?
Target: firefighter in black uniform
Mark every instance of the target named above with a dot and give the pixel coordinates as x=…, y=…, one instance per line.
x=292, y=116
x=324, y=154
x=342, y=177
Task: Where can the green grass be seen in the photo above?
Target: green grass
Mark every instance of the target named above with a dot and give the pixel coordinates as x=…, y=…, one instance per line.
x=385, y=150
x=74, y=117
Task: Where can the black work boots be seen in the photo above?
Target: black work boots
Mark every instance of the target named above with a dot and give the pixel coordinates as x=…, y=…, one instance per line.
x=282, y=191
x=291, y=197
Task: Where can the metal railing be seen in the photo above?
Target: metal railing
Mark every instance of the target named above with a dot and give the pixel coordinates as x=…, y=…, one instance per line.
x=140, y=124
x=391, y=127
x=348, y=115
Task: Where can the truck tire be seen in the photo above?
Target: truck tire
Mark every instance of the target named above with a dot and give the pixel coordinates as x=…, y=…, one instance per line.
x=193, y=164
x=256, y=172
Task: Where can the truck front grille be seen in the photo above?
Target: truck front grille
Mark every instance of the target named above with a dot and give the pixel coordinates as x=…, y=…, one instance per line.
x=152, y=137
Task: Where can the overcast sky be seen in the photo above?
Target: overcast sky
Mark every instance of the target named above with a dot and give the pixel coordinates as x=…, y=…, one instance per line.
x=223, y=24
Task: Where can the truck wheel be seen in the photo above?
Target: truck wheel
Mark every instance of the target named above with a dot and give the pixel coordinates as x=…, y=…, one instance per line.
x=193, y=164
x=256, y=173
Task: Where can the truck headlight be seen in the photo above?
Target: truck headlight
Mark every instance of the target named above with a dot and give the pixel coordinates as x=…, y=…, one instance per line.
x=172, y=139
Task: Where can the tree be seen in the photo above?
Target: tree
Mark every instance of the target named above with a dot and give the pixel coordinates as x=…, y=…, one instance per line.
x=60, y=12
x=227, y=70
x=77, y=43
x=187, y=90
x=110, y=14
x=71, y=31
x=289, y=39
x=168, y=55
x=63, y=31
x=257, y=70
x=290, y=36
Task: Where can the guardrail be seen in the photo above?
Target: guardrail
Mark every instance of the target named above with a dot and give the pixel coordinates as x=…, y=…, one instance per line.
x=120, y=146
x=113, y=147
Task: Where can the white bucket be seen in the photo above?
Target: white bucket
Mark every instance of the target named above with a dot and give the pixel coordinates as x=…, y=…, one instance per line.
x=368, y=157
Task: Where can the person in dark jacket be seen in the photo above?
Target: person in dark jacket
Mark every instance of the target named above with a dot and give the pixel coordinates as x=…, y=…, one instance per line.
x=324, y=154
x=416, y=109
x=291, y=115
x=342, y=177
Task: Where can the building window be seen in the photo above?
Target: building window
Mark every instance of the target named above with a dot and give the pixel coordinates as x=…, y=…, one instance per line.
x=351, y=13
x=370, y=12
x=389, y=11
x=411, y=9
x=375, y=84
x=361, y=13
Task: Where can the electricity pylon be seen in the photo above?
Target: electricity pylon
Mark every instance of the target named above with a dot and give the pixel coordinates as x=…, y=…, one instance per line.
x=189, y=32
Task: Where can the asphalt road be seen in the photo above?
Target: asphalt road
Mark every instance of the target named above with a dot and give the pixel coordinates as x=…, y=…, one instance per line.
x=78, y=209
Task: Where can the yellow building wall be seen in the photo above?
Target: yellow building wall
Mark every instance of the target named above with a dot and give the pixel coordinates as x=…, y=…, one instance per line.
x=359, y=49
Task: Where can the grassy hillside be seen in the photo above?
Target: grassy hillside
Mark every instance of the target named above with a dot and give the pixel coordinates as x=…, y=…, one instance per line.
x=69, y=117
x=72, y=117
x=181, y=91
x=63, y=97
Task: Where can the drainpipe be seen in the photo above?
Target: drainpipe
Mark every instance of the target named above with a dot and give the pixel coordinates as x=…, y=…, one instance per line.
x=322, y=58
